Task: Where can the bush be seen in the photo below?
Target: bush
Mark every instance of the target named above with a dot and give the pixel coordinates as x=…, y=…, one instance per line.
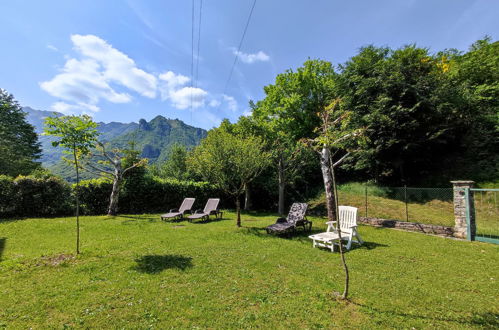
x=7, y=196
x=42, y=197
x=94, y=196
x=52, y=196
x=27, y=196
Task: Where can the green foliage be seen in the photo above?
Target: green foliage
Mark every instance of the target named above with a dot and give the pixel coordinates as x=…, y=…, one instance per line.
x=34, y=196
x=229, y=161
x=7, y=196
x=94, y=195
x=175, y=165
x=75, y=133
x=19, y=146
x=288, y=110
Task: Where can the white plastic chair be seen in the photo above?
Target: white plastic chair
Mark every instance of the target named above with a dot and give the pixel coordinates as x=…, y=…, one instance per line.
x=348, y=226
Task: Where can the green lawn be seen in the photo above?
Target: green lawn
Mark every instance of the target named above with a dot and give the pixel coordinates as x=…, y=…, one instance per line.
x=140, y=272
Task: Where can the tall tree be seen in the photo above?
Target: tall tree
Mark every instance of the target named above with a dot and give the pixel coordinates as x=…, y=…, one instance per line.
x=288, y=114
x=229, y=161
x=336, y=134
x=175, y=165
x=111, y=163
x=396, y=94
x=78, y=135
x=19, y=146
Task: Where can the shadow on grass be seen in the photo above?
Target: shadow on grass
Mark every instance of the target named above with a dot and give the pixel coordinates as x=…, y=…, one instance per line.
x=205, y=221
x=137, y=218
x=487, y=319
x=154, y=264
x=2, y=246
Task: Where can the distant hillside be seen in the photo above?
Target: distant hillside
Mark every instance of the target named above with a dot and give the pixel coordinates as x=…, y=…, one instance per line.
x=152, y=138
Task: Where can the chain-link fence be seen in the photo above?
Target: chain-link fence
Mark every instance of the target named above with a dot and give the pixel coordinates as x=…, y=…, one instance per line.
x=423, y=205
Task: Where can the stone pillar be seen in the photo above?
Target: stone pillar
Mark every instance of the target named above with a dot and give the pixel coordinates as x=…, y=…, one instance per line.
x=460, y=212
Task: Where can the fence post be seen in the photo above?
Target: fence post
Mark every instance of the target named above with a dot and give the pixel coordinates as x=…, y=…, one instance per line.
x=406, y=208
x=366, y=199
x=464, y=209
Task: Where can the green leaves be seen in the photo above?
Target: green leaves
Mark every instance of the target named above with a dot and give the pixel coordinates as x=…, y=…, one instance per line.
x=19, y=146
x=75, y=133
x=228, y=160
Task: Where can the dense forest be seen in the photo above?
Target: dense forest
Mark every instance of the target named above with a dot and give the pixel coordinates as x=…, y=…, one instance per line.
x=426, y=118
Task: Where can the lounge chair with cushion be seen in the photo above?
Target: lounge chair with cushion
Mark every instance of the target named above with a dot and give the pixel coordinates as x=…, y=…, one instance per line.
x=179, y=213
x=347, y=225
x=211, y=208
x=296, y=218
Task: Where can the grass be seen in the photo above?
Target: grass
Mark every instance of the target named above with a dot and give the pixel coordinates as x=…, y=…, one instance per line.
x=434, y=212
x=140, y=272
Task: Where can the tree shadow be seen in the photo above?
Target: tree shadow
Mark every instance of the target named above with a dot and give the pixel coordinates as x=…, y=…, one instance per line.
x=3, y=241
x=154, y=264
x=136, y=218
x=486, y=319
x=205, y=221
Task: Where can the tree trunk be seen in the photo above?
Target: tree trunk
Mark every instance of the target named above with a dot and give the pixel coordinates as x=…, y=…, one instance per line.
x=328, y=183
x=115, y=194
x=77, y=202
x=342, y=253
x=282, y=186
x=238, y=210
x=247, y=198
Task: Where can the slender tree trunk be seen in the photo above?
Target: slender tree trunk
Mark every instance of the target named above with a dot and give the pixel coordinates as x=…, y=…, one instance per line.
x=247, y=198
x=282, y=186
x=77, y=202
x=115, y=193
x=342, y=253
x=238, y=210
x=329, y=178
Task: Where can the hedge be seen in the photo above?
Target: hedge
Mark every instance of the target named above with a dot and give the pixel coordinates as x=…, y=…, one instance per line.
x=28, y=196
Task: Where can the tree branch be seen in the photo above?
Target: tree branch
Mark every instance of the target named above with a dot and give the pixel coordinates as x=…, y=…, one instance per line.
x=341, y=160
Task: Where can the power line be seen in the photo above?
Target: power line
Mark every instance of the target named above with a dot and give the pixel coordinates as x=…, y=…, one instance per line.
x=239, y=47
x=199, y=41
x=192, y=54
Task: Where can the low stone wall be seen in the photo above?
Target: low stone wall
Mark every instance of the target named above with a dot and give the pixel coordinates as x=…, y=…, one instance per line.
x=410, y=226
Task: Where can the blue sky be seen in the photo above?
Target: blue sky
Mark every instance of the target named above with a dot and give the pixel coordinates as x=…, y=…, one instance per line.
x=126, y=60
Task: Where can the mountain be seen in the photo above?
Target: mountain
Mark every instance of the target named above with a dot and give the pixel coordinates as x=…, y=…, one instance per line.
x=153, y=138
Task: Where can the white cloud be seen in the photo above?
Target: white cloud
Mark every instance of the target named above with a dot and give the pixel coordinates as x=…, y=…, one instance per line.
x=214, y=103
x=69, y=109
x=52, y=47
x=231, y=102
x=172, y=87
x=247, y=113
x=83, y=82
x=117, y=67
x=184, y=97
x=251, y=58
x=101, y=72
x=173, y=81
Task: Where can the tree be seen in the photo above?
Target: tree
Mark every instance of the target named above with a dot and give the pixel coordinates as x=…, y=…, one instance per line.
x=335, y=132
x=78, y=135
x=175, y=165
x=19, y=146
x=229, y=161
x=115, y=159
x=412, y=122
x=288, y=114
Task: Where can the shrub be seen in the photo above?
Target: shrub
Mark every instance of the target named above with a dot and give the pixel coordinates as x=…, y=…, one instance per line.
x=48, y=196
x=94, y=196
x=7, y=196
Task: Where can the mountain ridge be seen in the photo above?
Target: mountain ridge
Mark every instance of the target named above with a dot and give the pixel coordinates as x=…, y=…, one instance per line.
x=153, y=138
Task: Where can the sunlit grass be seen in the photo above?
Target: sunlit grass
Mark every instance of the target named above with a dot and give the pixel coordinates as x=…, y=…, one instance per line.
x=140, y=272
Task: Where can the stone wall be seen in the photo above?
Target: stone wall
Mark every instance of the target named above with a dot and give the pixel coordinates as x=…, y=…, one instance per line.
x=410, y=226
